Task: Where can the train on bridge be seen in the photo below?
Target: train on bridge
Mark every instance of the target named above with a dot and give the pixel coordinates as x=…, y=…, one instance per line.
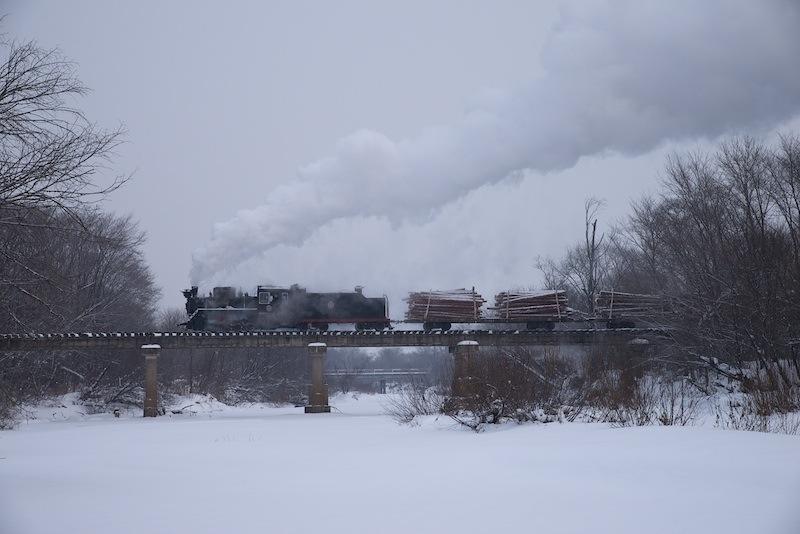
x=228, y=309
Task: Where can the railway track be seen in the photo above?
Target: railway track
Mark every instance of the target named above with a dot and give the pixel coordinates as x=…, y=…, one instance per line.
x=336, y=338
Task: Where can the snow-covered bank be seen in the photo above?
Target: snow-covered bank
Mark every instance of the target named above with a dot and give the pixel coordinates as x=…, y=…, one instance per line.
x=263, y=469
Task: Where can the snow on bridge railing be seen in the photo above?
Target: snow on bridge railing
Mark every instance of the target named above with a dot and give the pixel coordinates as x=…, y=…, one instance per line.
x=332, y=333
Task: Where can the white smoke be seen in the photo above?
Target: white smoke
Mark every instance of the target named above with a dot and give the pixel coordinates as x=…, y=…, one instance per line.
x=619, y=77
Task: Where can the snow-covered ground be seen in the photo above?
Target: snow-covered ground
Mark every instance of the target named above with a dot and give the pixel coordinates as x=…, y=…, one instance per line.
x=277, y=470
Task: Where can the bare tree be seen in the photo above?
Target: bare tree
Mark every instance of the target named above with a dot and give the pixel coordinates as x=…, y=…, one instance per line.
x=50, y=158
x=91, y=276
x=64, y=264
x=49, y=151
x=170, y=319
x=583, y=270
x=721, y=243
x=594, y=251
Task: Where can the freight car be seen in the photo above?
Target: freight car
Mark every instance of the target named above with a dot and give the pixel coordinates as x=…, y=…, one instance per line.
x=228, y=309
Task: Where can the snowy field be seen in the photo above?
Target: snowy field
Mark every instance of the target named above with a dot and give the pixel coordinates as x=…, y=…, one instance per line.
x=276, y=470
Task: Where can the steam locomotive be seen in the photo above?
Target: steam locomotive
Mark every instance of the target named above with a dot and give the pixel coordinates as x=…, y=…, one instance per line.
x=228, y=309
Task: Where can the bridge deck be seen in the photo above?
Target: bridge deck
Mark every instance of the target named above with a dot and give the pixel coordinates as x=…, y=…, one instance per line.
x=384, y=338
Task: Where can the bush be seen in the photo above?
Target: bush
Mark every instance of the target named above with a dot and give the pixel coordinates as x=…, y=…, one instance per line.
x=743, y=413
x=520, y=385
x=657, y=398
x=414, y=400
x=8, y=412
x=615, y=385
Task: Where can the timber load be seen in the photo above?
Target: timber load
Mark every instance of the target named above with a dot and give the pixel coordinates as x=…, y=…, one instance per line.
x=454, y=306
x=549, y=305
x=613, y=304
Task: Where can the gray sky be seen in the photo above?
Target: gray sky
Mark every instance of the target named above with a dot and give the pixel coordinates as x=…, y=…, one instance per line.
x=429, y=144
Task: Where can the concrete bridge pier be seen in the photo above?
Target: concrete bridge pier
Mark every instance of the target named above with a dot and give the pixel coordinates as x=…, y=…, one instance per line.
x=150, y=353
x=462, y=353
x=318, y=392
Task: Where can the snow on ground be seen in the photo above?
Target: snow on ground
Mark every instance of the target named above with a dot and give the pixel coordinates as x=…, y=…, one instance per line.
x=276, y=470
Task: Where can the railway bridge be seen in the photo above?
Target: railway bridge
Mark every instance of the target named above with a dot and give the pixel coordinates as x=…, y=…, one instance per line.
x=462, y=344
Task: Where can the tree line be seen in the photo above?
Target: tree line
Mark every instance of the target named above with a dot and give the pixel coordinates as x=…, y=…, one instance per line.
x=66, y=264
x=721, y=244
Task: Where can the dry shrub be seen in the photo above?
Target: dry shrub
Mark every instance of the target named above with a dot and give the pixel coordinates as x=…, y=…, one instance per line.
x=414, y=400
x=677, y=403
x=623, y=387
x=9, y=411
x=633, y=406
x=774, y=388
x=769, y=400
x=613, y=387
x=656, y=399
x=516, y=385
x=744, y=413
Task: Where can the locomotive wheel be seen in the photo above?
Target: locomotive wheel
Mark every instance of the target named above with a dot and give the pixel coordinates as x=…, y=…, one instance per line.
x=540, y=325
x=373, y=326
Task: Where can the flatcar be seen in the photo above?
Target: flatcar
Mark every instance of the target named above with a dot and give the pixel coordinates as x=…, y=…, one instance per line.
x=228, y=309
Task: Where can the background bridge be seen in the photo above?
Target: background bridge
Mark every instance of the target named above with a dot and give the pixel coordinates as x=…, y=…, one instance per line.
x=376, y=373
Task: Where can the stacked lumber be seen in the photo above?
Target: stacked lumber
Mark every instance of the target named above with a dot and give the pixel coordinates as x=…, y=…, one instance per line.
x=454, y=306
x=611, y=304
x=544, y=305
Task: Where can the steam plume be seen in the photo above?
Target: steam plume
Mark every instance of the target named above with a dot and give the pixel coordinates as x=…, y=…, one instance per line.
x=618, y=77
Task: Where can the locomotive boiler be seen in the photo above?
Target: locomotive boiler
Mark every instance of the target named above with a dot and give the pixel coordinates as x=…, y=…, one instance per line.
x=229, y=309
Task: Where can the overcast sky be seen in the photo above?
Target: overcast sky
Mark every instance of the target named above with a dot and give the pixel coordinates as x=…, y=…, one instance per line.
x=425, y=145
